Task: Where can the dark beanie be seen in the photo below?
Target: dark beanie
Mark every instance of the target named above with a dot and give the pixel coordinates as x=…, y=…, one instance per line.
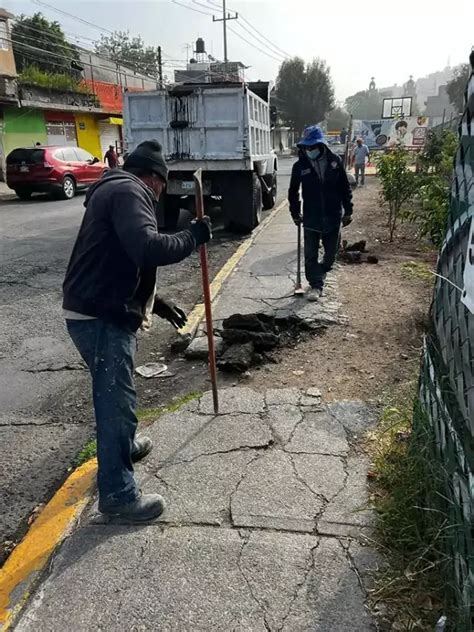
x=148, y=156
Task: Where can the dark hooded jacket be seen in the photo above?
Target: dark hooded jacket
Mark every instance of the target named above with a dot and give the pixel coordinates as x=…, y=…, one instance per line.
x=112, y=270
x=324, y=202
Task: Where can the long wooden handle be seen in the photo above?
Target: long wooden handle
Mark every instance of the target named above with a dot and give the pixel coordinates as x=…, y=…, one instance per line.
x=206, y=290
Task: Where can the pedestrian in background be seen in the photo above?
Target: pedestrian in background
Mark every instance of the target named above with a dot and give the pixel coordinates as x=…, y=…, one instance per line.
x=111, y=157
x=361, y=154
x=327, y=201
x=110, y=277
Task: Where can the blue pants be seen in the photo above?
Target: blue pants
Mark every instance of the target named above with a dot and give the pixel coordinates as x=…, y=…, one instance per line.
x=109, y=353
x=316, y=271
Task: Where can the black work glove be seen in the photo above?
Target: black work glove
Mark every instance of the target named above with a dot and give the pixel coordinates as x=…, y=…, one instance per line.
x=201, y=230
x=297, y=218
x=346, y=220
x=170, y=312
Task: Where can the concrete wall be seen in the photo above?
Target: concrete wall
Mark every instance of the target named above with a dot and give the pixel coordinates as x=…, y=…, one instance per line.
x=99, y=69
x=88, y=136
x=23, y=128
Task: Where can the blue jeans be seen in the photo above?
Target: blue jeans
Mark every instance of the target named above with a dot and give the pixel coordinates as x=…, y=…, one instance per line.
x=316, y=271
x=109, y=353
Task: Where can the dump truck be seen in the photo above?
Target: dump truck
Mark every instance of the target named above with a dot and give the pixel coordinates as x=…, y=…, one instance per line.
x=225, y=130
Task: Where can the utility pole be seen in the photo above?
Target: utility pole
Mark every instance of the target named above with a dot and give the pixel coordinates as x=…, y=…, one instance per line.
x=160, y=68
x=225, y=17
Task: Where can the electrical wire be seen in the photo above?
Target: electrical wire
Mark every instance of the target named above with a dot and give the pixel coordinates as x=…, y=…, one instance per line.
x=78, y=19
x=124, y=61
x=70, y=15
x=281, y=51
x=253, y=45
x=268, y=54
x=57, y=56
x=186, y=6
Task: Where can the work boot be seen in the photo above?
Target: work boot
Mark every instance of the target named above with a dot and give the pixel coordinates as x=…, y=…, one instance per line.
x=314, y=294
x=142, y=446
x=145, y=508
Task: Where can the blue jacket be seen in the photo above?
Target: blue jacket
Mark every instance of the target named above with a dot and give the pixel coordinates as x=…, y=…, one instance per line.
x=324, y=203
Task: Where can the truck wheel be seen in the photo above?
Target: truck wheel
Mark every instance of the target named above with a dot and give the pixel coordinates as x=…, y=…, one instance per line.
x=269, y=198
x=242, y=202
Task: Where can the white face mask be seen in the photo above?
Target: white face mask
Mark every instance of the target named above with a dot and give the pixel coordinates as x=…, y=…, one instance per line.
x=313, y=154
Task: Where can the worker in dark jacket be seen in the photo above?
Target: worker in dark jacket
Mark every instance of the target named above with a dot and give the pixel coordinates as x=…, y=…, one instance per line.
x=327, y=201
x=110, y=277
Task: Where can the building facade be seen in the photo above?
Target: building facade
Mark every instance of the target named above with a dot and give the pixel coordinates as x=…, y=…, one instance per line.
x=89, y=116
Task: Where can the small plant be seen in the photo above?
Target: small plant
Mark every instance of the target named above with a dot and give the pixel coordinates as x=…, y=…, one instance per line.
x=88, y=452
x=398, y=184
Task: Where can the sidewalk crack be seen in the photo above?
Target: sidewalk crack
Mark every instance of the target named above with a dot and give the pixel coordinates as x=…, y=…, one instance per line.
x=300, y=585
x=245, y=542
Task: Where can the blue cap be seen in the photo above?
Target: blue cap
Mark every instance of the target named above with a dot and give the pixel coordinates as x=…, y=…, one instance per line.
x=311, y=136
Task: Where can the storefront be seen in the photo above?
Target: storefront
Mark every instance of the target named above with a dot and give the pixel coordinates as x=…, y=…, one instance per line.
x=61, y=128
x=110, y=133
x=22, y=127
x=88, y=137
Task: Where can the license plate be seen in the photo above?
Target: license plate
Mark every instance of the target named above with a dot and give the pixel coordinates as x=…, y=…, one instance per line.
x=187, y=186
x=24, y=169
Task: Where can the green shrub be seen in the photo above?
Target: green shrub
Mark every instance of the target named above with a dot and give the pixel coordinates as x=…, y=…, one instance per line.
x=435, y=167
x=398, y=183
x=33, y=76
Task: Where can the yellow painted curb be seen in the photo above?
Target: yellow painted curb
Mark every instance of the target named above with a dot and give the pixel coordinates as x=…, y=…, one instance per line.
x=28, y=559
x=197, y=314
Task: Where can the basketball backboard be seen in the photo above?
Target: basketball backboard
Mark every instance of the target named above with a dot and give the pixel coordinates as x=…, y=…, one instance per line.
x=398, y=107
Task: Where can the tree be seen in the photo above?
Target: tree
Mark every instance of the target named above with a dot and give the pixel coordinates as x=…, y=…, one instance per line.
x=457, y=86
x=304, y=92
x=40, y=43
x=337, y=119
x=130, y=51
x=365, y=105
x=398, y=184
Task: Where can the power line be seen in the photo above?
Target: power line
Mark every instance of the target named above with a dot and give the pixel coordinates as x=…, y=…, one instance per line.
x=186, y=6
x=212, y=3
x=260, y=41
x=77, y=19
x=253, y=45
x=70, y=15
x=123, y=61
x=203, y=5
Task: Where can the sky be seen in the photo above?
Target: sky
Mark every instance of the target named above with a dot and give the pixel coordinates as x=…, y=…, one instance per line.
x=358, y=40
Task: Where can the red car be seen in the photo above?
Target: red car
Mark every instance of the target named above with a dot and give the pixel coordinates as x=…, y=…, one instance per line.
x=58, y=170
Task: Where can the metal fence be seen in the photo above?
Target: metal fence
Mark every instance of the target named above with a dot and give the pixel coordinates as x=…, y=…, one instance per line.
x=447, y=380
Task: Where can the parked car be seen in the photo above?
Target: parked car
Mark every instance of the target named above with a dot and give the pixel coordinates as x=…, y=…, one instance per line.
x=57, y=170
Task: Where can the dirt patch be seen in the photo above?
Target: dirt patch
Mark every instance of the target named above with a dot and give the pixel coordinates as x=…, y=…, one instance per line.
x=386, y=306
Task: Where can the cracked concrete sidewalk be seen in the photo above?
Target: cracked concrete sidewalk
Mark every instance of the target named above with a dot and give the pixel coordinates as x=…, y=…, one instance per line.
x=265, y=528
x=264, y=280
x=268, y=511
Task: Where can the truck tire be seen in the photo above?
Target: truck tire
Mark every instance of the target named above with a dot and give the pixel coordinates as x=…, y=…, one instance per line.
x=269, y=197
x=242, y=202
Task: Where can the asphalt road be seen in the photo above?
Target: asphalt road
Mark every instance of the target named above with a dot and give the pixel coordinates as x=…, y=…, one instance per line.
x=45, y=411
